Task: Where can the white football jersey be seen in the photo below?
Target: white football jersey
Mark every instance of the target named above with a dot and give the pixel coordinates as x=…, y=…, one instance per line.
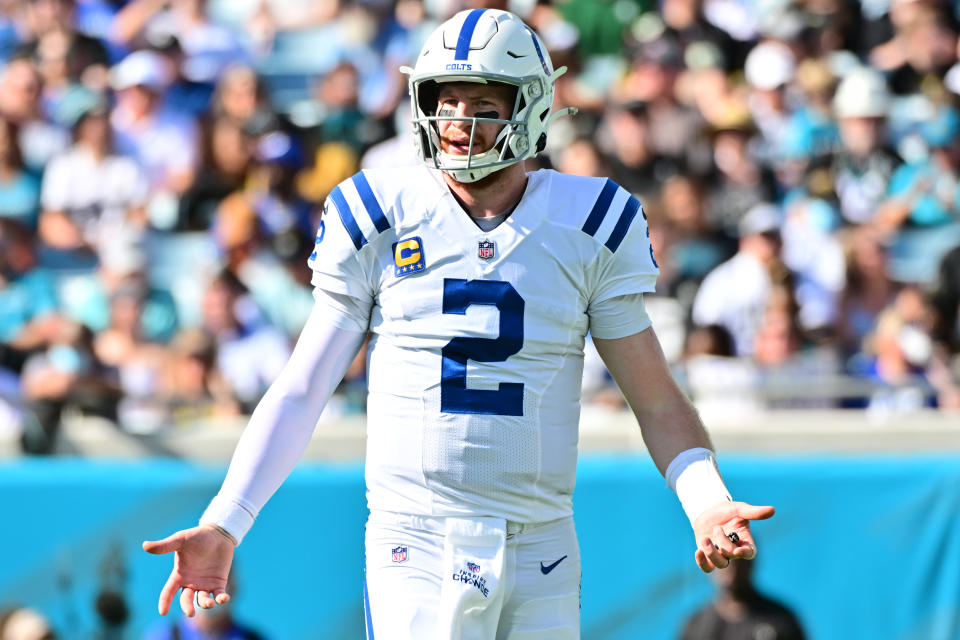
x=476, y=355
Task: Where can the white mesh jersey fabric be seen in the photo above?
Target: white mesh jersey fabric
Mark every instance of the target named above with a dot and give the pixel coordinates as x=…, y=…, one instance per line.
x=477, y=337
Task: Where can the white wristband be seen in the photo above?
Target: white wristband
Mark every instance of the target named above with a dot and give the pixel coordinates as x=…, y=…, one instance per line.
x=230, y=516
x=694, y=475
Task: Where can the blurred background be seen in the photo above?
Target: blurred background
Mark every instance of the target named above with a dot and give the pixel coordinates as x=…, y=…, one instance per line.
x=163, y=165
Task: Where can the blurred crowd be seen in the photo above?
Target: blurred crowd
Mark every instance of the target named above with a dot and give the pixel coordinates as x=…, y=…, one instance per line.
x=163, y=165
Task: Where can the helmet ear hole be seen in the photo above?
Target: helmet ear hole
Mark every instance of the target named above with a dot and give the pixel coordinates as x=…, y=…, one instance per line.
x=542, y=142
x=427, y=93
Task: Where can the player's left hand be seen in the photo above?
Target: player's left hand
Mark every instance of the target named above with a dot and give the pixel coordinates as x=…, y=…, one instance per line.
x=713, y=529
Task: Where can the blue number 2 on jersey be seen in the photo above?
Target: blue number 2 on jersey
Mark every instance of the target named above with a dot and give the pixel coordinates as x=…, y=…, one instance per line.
x=507, y=400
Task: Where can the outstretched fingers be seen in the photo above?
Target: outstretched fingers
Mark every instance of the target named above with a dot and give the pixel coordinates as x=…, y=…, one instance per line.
x=166, y=545
x=210, y=599
x=186, y=601
x=710, y=556
x=752, y=512
x=167, y=593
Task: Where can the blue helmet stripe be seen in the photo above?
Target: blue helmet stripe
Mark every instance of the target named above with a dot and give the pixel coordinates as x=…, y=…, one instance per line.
x=346, y=216
x=466, y=34
x=536, y=45
x=600, y=208
x=623, y=224
x=370, y=202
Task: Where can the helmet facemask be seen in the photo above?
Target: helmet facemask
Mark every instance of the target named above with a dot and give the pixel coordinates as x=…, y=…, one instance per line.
x=484, y=46
x=510, y=145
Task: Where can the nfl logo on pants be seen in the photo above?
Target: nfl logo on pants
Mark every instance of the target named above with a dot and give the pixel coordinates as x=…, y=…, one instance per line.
x=485, y=249
x=399, y=554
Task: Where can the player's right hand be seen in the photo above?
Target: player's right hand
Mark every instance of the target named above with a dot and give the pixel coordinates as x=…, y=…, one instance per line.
x=201, y=565
x=714, y=527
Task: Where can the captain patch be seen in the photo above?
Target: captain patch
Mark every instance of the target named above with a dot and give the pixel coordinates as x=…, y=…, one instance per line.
x=408, y=256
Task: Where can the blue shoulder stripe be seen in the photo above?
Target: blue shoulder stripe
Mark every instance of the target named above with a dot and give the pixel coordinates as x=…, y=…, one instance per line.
x=370, y=202
x=466, y=34
x=600, y=208
x=623, y=224
x=346, y=216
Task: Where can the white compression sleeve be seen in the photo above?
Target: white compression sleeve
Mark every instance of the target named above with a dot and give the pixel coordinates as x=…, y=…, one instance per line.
x=694, y=475
x=283, y=422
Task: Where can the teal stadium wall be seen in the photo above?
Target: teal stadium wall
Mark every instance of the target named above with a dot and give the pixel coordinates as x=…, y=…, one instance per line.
x=859, y=548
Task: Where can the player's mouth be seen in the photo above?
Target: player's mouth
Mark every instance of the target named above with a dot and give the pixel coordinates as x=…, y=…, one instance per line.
x=462, y=147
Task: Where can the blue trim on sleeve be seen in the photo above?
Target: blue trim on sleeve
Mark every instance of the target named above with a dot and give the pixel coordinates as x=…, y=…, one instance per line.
x=600, y=208
x=370, y=202
x=623, y=224
x=346, y=216
x=366, y=606
x=466, y=34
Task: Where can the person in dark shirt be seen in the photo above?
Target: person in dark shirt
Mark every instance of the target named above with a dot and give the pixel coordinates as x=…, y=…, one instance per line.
x=740, y=612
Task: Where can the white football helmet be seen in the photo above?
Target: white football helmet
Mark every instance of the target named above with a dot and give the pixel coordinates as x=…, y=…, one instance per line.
x=484, y=45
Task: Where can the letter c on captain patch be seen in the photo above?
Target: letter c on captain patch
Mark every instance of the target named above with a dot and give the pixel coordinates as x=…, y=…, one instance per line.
x=408, y=256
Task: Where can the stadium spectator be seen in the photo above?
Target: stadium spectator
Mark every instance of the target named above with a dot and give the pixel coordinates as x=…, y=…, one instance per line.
x=687, y=247
x=61, y=50
x=139, y=361
x=923, y=43
x=20, y=91
x=249, y=352
x=863, y=164
x=28, y=298
x=208, y=48
x=741, y=612
x=738, y=181
x=91, y=194
x=208, y=624
x=946, y=304
x=19, y=189
x=268, y=266
x=897, y=355
x=271, y=185
x=338, y=94
x=582, y=157
x=227, y=157
x=869, y=289
x=241, y=96
x=66, y=374
x=162, y=140
x=791, y=369
x=811, y=133
x=23, y=623
x=815, y=257
x=193, y=389
x=924, y=192
x=769, y=69
x=651, y=79
x=736, y=293
x=625, y=136
x=720, y=384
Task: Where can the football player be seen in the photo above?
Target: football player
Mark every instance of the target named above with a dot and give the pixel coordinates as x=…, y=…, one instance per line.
x=479, y=283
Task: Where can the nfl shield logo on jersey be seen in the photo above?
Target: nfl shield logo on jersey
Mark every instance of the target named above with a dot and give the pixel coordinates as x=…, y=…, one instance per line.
x=486, y=249
x=399, y=554
x=474, y=567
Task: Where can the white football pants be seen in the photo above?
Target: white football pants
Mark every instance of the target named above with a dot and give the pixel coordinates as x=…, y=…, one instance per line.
x=430, y=578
